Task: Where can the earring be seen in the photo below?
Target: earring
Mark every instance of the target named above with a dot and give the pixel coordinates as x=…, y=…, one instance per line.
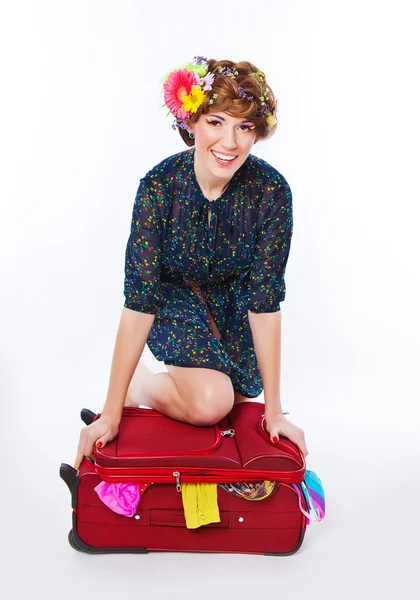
x=191, y=134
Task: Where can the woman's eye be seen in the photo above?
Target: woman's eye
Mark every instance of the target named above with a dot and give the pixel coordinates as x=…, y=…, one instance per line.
x=247, y=127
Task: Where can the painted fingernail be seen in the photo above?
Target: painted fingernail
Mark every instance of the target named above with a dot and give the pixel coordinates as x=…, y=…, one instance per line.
x=275, y=440
x=99, y=445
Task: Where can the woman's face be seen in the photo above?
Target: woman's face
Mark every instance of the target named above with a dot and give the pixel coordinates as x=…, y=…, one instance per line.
x=218, y=132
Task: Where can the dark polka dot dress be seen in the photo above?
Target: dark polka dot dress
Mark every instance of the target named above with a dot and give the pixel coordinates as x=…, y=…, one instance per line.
x=199, y=265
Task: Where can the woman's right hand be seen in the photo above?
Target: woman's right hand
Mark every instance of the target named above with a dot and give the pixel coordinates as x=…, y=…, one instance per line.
x=101, y=431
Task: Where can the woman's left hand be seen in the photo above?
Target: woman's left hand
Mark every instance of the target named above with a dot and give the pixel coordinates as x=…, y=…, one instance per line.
x=278, y=425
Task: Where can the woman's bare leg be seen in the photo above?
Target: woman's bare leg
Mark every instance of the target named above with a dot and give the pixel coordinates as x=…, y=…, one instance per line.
x=192, y=395
x=136, y=385
x=152, y=390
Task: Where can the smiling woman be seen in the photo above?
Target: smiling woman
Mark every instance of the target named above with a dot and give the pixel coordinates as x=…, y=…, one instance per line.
x=224, y=157
x=226, y=225
x=222, y=145
x=206, y=258
x=224, y=125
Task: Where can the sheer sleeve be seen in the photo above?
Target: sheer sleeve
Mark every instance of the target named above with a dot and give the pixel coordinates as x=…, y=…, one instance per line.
x=266, y=281
x=143, y=251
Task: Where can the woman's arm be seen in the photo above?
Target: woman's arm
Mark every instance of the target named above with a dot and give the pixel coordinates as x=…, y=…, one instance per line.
x=142, y=300
x=141, y=289
x=266, y=333
x=131, y=339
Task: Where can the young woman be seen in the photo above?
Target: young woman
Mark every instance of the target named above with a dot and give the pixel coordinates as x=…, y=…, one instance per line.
x=205, y=262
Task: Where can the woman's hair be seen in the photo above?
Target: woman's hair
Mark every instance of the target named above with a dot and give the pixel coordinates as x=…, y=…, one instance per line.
x=228, y=99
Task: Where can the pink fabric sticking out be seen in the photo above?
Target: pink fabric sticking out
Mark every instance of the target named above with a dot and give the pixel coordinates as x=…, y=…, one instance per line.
x=122, y=498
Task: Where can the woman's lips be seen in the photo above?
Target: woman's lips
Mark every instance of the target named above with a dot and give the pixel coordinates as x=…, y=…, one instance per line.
x=223, y=163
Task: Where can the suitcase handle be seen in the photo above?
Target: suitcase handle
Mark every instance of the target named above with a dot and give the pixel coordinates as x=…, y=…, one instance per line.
x=284, y=443
x=176, y=518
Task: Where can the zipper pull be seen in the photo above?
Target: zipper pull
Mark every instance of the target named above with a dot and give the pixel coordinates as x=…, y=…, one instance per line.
x=178, y=483
x=228, y=433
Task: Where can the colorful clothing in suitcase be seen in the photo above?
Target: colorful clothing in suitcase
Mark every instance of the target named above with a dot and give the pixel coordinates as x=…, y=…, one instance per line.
x=235, y=249
x=200, y=504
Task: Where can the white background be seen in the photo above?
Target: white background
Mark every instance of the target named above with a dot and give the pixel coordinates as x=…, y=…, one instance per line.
x=81, y=123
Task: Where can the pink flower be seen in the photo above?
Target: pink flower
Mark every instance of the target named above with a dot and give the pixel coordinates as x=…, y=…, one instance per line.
x=177, y=85
x=208, y=81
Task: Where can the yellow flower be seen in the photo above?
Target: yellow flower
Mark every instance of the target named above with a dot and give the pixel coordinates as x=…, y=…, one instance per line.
x=271, y=120
x=193, y=101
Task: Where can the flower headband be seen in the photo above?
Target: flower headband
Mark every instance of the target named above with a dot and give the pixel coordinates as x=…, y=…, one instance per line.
x=184, y=90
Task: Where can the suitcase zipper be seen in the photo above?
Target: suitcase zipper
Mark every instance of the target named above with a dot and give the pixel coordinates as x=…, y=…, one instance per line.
x=215, y=476
x=178, y=480
x=228, y=433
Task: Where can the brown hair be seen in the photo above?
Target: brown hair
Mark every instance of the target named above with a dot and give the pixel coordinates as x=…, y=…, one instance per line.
x=228, y=99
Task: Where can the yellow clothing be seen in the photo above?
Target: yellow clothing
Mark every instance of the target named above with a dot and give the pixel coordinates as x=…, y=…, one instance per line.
x=200, y=504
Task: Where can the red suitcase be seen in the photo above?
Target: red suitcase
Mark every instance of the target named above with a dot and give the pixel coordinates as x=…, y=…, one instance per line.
x=153, y=448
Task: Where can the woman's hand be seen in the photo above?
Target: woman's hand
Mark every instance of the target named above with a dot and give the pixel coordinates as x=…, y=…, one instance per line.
x=100, y=432
x=278, y=425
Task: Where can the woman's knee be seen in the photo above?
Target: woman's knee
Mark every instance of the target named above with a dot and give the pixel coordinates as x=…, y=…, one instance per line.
x=208, y=413
x=208, y=393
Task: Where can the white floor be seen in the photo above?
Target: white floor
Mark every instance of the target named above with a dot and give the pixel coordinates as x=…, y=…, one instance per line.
x=365, y=547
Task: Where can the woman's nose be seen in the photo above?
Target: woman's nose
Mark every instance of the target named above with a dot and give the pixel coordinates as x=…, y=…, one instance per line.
x=229, y=140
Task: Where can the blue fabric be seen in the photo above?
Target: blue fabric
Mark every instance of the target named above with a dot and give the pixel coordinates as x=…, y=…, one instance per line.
x=238, y=258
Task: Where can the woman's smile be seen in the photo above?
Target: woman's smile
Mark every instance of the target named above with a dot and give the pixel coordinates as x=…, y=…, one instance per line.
x=222, y=161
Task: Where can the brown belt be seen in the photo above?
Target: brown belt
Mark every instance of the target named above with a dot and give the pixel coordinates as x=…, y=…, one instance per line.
x=195, y=285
